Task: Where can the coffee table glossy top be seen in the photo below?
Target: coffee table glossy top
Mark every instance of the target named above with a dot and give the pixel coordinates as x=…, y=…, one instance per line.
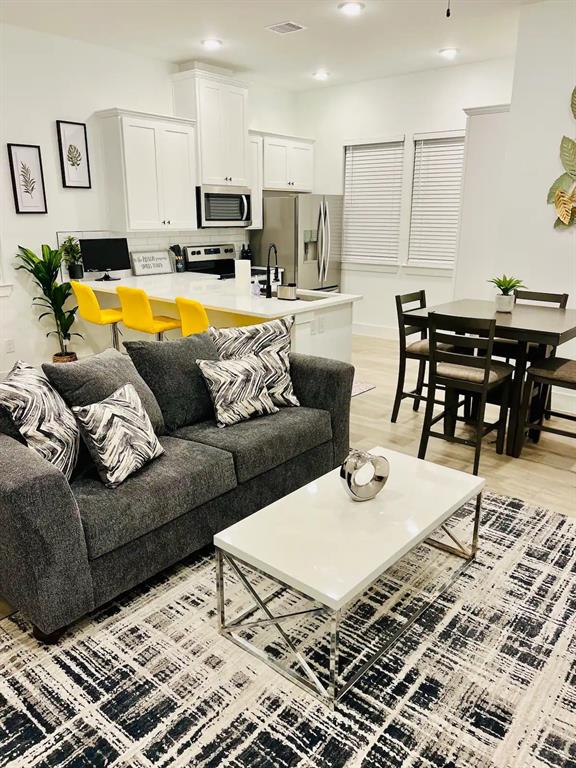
x=321, y=542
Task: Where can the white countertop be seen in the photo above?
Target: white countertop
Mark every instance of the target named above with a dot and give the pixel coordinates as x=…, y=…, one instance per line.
x=221, y=295
x=320, y=541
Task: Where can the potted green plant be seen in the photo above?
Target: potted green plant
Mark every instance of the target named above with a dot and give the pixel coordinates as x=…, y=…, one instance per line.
x=506, y=286
x=45, y=272
x=73, y=258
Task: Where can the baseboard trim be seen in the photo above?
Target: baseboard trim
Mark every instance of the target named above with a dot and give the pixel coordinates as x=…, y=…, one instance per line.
x=376, y=331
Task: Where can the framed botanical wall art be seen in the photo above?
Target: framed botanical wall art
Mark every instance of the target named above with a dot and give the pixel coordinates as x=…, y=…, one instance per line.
x=27, y=178
x=74, y=160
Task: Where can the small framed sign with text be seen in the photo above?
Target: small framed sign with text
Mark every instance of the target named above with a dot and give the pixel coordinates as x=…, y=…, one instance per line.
x=151, y=262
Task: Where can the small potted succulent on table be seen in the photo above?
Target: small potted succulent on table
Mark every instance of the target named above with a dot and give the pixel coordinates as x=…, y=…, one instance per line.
x=54, y=295
x=73, y=258
x=506, y=286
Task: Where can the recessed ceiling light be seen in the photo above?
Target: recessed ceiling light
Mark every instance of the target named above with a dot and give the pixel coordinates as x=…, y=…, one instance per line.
x=449, y=53
x=351, y=8
x=211, y=44
x=321, y=74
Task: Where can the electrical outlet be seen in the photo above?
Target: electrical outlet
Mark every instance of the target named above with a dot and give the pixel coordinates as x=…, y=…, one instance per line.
x=9, y=346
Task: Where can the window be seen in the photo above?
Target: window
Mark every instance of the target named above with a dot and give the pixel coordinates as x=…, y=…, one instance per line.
x=372, y=201
x=436, y=194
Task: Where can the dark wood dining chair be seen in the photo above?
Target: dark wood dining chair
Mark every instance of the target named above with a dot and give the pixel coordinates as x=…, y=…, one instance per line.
x=466, y=366
x=415, y=349
x=548, y=372
x=508, y=348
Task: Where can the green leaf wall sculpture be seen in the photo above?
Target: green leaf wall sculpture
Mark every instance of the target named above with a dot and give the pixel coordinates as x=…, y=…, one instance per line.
x=563, y=192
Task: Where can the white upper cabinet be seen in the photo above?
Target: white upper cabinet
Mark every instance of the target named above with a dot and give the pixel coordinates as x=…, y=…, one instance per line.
x=288, y=164
x=211, y=134
x=177, y=145
x=150, y=164
x=235, y=134
x=142, y=174
x=219, y=105
x=256, y=157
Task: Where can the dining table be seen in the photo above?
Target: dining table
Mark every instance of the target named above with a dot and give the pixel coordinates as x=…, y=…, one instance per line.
x=527, y=323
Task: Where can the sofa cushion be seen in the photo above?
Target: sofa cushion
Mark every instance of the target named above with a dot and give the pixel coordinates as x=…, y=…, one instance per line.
x=238, y=389
x=119, y=435
x=95, y=378
x=186, y=475
x=272, y=338
x=41, y=416
x=170, y=370
x=264, y=443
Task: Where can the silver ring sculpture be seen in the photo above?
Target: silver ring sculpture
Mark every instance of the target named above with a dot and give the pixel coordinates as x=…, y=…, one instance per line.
x=353, y=464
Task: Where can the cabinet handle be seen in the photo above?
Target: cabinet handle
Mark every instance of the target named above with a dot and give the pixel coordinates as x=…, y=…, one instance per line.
x=163, y=221
x=168, y=221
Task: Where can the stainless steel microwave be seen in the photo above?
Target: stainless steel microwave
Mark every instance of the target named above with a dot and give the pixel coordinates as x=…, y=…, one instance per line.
x=223, y=206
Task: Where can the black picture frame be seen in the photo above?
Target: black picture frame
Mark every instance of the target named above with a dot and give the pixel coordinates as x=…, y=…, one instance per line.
x=19, y=183
x=63, y=149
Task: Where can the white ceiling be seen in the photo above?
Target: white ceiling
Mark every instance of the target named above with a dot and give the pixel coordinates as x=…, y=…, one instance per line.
x=391, y=36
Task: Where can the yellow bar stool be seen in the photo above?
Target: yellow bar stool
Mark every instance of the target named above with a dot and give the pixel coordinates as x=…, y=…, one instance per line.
x=90, y=310
x=137, y=313
x=192, y=316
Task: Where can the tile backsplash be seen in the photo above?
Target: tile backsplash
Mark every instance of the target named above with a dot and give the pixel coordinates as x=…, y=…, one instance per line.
x=142, y=241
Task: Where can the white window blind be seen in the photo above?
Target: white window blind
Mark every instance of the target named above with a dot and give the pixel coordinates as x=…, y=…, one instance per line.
x=436, y=193
x=372, y=197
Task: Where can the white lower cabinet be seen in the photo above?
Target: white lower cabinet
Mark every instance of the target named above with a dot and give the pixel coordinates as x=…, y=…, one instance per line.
x=150, y=164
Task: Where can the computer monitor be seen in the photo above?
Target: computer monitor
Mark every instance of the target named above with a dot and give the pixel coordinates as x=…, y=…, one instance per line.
x=105, y=254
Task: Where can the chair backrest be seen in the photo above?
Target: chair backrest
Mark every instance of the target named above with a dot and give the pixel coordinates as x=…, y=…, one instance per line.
x=136, y=309
x=405, y=303
x=535, y=297
x=88, y=307
x=192, y=316
x=465, y=335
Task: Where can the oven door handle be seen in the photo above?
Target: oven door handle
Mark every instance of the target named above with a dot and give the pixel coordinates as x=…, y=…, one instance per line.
x=244, y=208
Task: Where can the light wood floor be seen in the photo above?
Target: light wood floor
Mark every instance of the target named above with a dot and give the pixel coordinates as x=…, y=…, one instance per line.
x=545, y=475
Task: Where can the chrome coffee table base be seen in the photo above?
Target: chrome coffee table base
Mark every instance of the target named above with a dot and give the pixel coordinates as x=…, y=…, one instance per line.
x=307, y=679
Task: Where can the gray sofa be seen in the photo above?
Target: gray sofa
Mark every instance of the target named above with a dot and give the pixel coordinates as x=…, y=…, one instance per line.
x=69, y=547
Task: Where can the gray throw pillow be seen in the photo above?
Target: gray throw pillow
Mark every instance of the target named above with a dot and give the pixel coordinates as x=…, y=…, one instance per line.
x=94, y=378
x=237, y=388
x=172, y=373
x=272, y=338
x=119, y=435
x=41, y=416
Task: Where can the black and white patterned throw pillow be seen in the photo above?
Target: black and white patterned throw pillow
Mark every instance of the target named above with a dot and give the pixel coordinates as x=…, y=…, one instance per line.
x=237, y=388
x=271, y=343
x=119, y=435
x=41, y=416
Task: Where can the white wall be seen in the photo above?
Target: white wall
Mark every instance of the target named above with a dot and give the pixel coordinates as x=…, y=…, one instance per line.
x=482, y=201
x=540, y=115
x=271, y=109
x=386, y=108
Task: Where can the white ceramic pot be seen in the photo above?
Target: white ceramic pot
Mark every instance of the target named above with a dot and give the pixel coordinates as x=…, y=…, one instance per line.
x=504, y=303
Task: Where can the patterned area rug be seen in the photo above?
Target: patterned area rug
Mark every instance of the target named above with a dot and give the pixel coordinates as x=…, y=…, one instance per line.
x=486, y=678
x=360, y=387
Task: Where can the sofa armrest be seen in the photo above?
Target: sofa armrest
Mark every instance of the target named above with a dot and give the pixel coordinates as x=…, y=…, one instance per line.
x=326, y=384
x=44, y=567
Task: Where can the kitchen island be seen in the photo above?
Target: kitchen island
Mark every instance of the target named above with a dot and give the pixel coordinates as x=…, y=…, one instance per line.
x=322, y=320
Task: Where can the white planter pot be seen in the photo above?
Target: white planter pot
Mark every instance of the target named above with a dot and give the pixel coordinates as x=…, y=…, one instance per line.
x=504, y=303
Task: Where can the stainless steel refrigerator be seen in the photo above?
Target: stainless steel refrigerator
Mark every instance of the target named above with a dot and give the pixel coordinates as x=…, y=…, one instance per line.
x=307, y=230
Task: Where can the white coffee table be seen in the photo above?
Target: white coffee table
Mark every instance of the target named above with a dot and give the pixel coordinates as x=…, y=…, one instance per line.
x=328, y=548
